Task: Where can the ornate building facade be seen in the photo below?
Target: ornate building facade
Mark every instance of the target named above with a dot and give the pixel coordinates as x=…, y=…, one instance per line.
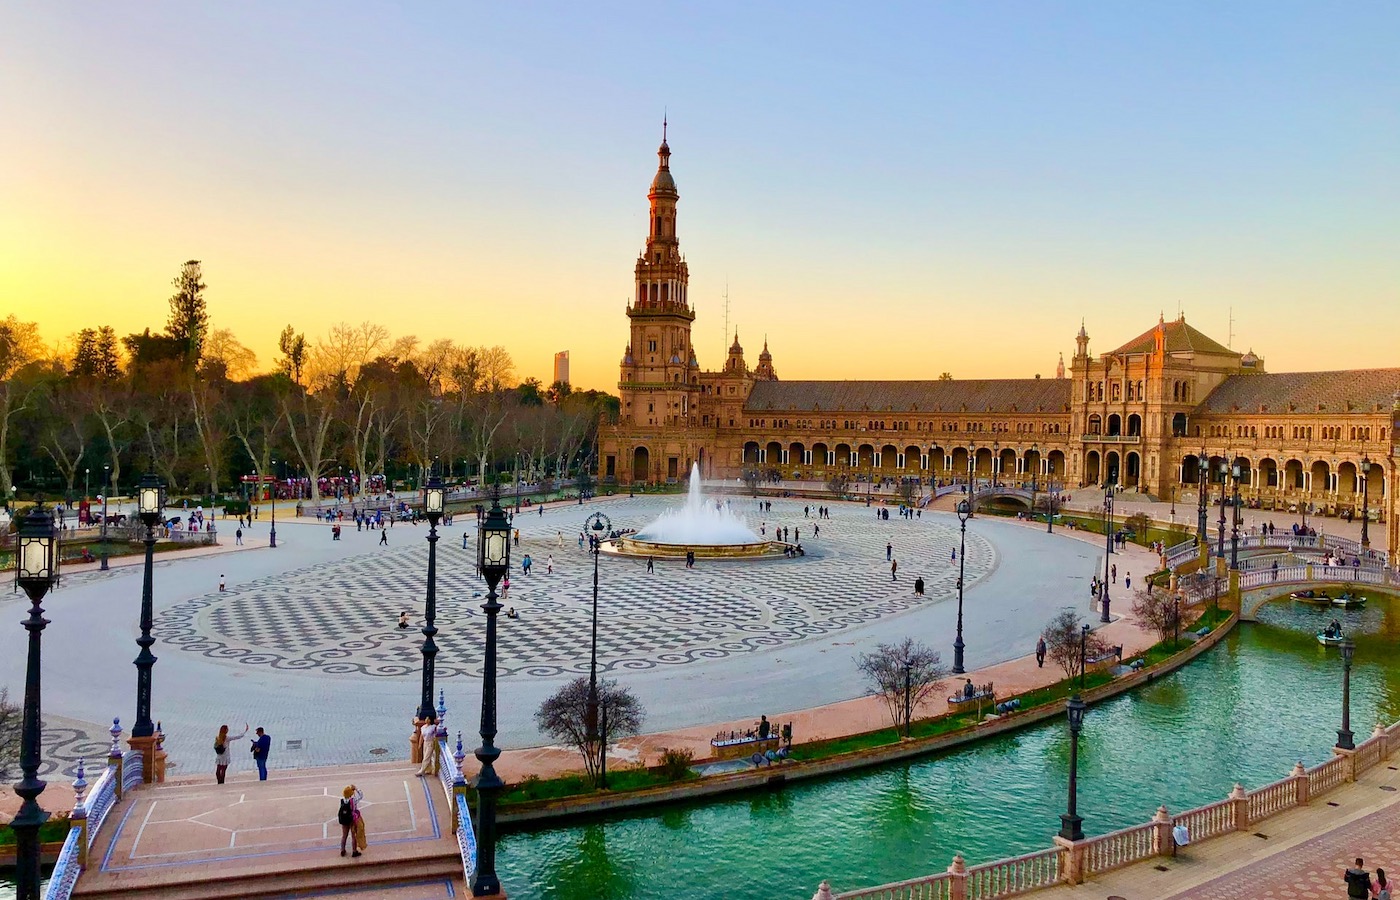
x=1146, y=415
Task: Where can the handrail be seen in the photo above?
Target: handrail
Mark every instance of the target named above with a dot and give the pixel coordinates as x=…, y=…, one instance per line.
x=1209, y=820
x=66, y=869
x=1017, y=875
x=930, y=887
x=1119, y=848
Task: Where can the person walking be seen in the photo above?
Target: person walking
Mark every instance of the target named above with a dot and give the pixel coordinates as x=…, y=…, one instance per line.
x=222, y=757
x=1358, y=881
x=351, y=820
x=384, y=537
x=1113, y=572
x=221, y=584
x=894, y=567
x=918, y=587
x=238, y=537
x=261, y=745
x=1382, y=886
x=430, y=749
x=549, y=565
x=649, y=565
x=1128, y=581
x=889, y=551
x=1040, y=652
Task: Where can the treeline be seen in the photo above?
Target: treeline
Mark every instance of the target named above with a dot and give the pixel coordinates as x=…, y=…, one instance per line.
x=189, y=403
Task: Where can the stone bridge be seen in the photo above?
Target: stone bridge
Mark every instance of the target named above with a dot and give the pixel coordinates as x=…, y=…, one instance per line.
x=1262, y=585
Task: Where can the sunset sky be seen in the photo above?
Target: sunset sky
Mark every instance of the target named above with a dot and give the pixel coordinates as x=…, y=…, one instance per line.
x=889, y=191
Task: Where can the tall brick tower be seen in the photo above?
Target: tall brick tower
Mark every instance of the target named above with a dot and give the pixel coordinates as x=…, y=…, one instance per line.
x=659, y=377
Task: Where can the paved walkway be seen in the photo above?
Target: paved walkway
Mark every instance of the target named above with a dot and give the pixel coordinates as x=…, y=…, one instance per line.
x=1297, y=855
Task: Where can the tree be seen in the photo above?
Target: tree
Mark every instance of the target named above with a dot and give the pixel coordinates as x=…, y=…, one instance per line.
x=530, y=393
x=946, y=376
x=20, y=371
x=188, y=325
x=344, y=349
x=1158, y=611
x=563, y=716
x=838, y=483
x=10, y=725
x=146, y=350
x=903, y=674
x=226, y=357
x=557, y=392
x=293, y=347
x=1062, y=637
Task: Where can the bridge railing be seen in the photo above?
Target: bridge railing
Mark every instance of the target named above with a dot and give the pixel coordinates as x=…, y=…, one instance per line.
x=454, y=786
x=91, y=804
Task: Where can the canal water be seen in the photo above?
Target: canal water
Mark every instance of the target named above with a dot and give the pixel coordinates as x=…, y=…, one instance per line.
x=1246, y=711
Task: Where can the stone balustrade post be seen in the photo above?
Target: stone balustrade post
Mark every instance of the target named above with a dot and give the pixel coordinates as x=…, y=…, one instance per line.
x=78, y=817
x=1299, y=776
x=1307, y=572
x=957, y=885
x=823, y=892
x=1348, y=764
x=1162, y=832
x=1382, y=740
x=1239, y=801
x=1072, y=870
x=459, y=781
x=114, y=754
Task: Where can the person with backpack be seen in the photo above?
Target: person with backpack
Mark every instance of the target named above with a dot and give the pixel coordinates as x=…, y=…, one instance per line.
x=1358, y=881
x=1382, y=887
x=351, y=820
x=222, y=757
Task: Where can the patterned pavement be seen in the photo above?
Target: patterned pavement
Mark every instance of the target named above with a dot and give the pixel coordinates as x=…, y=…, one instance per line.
x=340, y=617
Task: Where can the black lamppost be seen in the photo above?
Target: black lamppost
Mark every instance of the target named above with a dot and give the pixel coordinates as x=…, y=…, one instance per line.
x=1365, y=503
x=36, y=572
x=996, y=461
x=432, y=508
x=107, y=489
x=964, y=513
x=86, y=490
x=1108, y=534
x=1224, y=478
x=272, y=533
x=1202, y=490
x=1071, y=825
x=150, y=500
x=494, y=561
x=1344, y=736
x=1236, y=473
x=600, y=526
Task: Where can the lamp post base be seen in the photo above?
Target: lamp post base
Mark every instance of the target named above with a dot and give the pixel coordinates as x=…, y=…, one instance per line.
x=152, y=757
x=1345, y=739
x=1071, y=827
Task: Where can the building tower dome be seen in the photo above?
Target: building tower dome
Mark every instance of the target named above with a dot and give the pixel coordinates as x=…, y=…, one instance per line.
x=1060, y=369
x=1081, y=342
x=765, y=369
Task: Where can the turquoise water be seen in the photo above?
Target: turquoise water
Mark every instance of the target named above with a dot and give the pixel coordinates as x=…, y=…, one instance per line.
x=1266, y=698
x=1245, y=711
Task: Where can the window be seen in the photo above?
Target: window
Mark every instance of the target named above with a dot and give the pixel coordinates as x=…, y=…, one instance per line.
x=651, y=346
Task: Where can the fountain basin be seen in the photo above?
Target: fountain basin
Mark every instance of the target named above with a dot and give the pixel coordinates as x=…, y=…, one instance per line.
x=634, y=546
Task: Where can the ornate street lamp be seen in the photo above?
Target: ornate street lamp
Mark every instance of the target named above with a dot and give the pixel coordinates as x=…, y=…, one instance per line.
x=150, y=500
x=964, y=513
x=1052, y=500
x=1202, y=490
x=1108, y=534
x=1365, y=503
x=272, y=534
x=494, y=561
x=106, y=489
x=1224, y=480
x=36, y=572
x=1236, y=473
x=1345, y=740
x=996, y=461
x=432, y=508
x=600, y=526
x=1071, y=825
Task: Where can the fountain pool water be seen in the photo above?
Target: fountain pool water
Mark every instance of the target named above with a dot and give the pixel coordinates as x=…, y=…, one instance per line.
x=707, y=529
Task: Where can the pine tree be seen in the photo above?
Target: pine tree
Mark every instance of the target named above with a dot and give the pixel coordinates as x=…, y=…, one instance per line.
x=107, y=358
x=189, y=314
x=85, y=355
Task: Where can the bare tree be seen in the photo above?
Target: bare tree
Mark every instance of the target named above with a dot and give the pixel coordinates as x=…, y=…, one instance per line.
x=1063, y=635
x=1158, y=611
x=309, y=417
x=20, y=352
x=903, y=674
x=563, y=716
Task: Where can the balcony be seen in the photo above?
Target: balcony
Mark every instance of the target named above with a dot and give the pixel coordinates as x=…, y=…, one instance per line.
x=1111, y=438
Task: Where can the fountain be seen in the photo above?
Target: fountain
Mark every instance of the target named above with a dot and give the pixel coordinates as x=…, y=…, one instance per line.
x=707, y=529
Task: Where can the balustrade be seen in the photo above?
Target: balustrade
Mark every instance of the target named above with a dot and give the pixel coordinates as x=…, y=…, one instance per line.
x=1272, y=798
x=1208, y=821
x=1008, y=877
x=1325, y=776
x=934, y=887
x=1118, y=848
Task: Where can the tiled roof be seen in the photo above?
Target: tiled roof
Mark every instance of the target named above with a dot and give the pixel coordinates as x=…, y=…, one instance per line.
x=994, y=395
x=1364, y=388
x=1178, y=337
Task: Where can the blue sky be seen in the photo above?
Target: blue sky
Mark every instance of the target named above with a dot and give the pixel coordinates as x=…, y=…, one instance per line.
x=873, y=183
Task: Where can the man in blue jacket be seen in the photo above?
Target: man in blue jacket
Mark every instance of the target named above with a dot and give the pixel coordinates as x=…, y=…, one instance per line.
x=261, y=744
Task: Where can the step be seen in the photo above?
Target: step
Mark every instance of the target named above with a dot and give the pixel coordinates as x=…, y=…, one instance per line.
x=316, y=878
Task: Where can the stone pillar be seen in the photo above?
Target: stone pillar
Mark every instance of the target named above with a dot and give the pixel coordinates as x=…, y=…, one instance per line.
x=415, y=742
x=957, y=885
x=146, y=746
x=1299, y=776
x=1234, y=603
x=114, y=755
x=1162, y=840
x=1349, y=766
x=78, y=817
x=1378, y=733
x=1240, y=801
x=823, y=892
x=1072, y=868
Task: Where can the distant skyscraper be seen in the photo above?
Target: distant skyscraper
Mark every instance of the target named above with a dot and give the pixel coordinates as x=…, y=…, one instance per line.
x=561, y=366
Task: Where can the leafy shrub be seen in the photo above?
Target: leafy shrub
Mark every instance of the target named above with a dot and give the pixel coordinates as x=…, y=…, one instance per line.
x=675, y=763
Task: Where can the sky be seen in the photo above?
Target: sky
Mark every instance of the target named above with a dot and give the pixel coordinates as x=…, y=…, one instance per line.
x=883, y=190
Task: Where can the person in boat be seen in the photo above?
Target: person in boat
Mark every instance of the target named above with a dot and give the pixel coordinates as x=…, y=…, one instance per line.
x=1334, y=629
